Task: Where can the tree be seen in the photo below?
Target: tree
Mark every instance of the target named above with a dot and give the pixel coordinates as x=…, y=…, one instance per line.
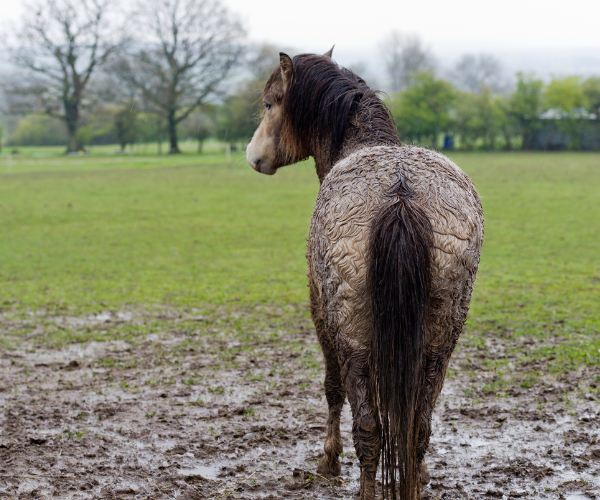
x=150, y=128
x=475, y=73
x=61, y=44
x=505, y=120
x=203, y=131
x=481, y=117
x=200, y=125
x=239, y=114
x=525, y=106
x=262, y=60
x=566, y=98
x=38, y=130
x=190, y=47
x=126, y=126
x=404, y=57
x=423, y=110
x=565, y=94
x=591, y=90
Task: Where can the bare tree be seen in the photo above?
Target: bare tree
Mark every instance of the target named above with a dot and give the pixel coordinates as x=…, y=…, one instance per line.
x=263, y=59
x=478, y=72
x=61, y=44
x=189, y=49
x=404, y=56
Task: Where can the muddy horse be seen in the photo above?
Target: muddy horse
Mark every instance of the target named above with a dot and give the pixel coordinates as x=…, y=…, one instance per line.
x=393, y=251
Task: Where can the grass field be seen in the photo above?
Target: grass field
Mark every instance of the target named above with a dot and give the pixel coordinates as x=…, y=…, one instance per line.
x=197, y=229
x=108, y=231
x=187, y=274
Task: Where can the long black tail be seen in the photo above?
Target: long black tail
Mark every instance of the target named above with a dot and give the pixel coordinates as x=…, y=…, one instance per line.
x=400, y=284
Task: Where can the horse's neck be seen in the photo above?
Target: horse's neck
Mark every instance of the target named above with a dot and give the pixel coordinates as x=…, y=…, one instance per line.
x=323, y=162
x=323, y=165
x=361, y=132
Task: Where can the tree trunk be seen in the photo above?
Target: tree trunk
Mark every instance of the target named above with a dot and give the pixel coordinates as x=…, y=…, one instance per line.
x=73, y=145
x=527, y=135
x=72, y=120
x=507, y=140
x=159, y=136
x=173, y=133
x=527, y=141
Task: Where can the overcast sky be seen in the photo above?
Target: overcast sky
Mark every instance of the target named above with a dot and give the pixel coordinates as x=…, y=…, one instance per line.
x=558, y=36
x=509, y=23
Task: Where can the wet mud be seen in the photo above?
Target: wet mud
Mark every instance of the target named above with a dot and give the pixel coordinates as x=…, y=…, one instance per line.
x=198, y=410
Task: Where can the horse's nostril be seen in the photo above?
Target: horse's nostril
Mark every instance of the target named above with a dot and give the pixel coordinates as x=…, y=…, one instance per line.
x=257, y=162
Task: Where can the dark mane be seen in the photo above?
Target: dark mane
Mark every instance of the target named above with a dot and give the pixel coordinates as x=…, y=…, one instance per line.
x=328, y=111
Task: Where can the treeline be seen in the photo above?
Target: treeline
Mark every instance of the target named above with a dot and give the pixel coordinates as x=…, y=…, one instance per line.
x=109, y=124
x=434, y=112
x=561, y=114
x=86, y=73
x=111, y=74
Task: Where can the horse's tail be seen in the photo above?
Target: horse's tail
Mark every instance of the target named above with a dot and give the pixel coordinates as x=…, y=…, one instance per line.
x=399, y=284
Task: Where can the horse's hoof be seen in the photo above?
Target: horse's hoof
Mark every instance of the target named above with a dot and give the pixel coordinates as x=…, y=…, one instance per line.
x=329, y=467
x=425, y=476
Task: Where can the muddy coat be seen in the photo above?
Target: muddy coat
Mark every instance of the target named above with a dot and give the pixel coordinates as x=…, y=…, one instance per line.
x=351, y=195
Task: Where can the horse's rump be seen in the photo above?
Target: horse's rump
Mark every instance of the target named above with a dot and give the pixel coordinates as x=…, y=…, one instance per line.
x=349, y=200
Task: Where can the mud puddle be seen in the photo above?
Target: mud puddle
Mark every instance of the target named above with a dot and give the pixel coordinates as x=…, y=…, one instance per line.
x=205, y=410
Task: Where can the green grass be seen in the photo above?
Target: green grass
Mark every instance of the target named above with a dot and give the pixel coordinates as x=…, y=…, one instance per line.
x=540, y=268
x=107, y=231
x=50, y=159
x=183, y=236
x=541, y=259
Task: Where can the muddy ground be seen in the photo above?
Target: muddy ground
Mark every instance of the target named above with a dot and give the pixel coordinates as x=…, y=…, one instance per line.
x=166, y=404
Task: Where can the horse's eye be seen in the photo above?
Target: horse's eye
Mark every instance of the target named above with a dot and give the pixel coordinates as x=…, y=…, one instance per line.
x=267, y=106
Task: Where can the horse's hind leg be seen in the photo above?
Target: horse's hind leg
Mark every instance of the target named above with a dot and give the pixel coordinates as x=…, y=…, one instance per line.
x=334, y=392
x=434, y=379
x=365, y=420
x=436, y=365
x=444, y=331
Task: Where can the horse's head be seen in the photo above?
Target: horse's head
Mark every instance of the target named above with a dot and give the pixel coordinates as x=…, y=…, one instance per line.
x=270, y=147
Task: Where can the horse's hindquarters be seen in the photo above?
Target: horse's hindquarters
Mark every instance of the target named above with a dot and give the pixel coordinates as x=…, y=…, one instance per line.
x=351, y=196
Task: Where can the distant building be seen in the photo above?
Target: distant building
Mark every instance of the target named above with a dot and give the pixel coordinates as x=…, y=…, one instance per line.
x=553, y=136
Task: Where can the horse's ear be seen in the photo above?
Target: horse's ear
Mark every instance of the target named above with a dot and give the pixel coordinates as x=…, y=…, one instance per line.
x=329, y=53
x=286, y=64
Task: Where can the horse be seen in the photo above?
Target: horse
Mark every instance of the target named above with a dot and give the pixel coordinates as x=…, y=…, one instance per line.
x=393, y=251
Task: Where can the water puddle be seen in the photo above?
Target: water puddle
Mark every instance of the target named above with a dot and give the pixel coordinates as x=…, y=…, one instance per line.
x=207, y=472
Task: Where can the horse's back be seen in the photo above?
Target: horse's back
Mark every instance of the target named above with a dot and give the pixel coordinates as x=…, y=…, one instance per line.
x=351, y=196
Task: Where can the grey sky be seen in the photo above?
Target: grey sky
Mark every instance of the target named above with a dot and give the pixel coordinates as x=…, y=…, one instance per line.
x=320, y=23
x=507, y=24
x=545, y=36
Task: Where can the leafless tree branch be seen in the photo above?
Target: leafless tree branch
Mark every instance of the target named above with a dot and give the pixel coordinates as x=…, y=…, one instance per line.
x=475, y=73
x=59, y=46
x=404, y=56
x=189, y=49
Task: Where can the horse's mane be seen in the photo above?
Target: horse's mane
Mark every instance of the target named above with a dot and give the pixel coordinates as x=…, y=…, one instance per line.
x=322, y=102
